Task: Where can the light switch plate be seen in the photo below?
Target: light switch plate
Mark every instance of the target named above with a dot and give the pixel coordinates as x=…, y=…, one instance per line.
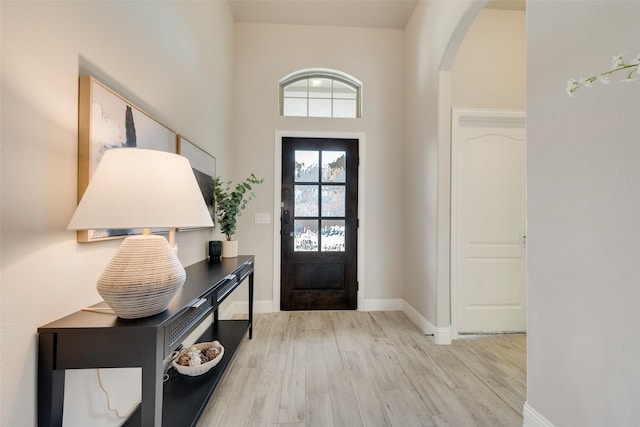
x=262, y=218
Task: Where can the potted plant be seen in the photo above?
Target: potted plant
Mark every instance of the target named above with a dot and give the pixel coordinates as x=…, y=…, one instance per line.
x=230, y=201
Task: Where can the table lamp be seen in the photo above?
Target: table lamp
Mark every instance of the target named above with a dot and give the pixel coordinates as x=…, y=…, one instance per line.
x=138, y=188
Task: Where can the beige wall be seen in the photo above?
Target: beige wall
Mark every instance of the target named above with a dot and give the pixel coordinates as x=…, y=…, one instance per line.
x=264, y=54
x=173, y=59
x=583, y=203
x=489, y=70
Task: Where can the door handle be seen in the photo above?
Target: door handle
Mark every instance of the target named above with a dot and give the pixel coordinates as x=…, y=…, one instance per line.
x=286, y=217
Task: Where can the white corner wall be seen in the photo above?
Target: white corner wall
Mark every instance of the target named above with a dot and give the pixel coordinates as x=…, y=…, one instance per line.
x=432, y=36
x=267, y=52
x=174, y=60
x=583, y=236
x=489, y=70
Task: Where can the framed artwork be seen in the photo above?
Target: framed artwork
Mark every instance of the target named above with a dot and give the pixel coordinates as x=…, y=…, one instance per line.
x=204, y=168
x=106, y=120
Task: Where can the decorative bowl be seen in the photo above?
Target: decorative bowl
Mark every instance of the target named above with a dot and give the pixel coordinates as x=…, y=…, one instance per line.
x=201, y=368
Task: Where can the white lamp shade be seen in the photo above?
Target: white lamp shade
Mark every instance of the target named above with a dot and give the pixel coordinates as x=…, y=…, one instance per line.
x=138, y=188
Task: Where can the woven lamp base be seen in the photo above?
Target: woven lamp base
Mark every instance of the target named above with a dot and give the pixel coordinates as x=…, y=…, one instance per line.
x=142, y=278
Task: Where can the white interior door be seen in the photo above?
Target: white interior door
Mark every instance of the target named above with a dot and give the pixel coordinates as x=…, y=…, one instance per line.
x=488, y=221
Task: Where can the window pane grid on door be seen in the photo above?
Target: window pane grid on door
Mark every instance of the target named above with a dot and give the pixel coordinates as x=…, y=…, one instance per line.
x=333, y=200
x=334, y=166
x=332, y=236
x=305, y=235
x=307, y=167
x=305, y=201
x=329, y=237
x=319, y=208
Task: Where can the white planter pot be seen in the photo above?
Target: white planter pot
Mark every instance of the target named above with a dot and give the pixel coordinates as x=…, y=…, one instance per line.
x=229, y=248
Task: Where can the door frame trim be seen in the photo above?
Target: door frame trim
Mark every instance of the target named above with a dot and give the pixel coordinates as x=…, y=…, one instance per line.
x=469, y=117
x=277, y=193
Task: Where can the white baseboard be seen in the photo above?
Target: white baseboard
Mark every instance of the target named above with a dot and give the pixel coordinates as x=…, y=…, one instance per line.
x=266, y=306
x=382, y=305
x=533, y=418
x=441, y=335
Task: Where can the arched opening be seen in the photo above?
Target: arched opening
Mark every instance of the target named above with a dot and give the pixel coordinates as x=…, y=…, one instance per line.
x=481, y=21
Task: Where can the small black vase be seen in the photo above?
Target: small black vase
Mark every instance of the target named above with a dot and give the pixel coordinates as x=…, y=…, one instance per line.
x=215, y=250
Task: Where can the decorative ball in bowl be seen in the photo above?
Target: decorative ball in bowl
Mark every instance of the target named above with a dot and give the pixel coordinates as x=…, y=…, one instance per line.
x=198, y=359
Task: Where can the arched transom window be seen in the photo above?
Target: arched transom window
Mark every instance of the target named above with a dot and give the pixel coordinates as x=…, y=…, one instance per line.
x=320, y=93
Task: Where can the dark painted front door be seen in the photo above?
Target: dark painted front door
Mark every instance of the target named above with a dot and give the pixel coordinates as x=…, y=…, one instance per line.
x=319, y=224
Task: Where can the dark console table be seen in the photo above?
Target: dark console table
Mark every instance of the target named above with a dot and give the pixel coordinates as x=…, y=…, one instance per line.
x=110, y=342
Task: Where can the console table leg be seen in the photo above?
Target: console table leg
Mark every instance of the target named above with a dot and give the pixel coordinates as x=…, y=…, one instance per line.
x=250, y=305
x=152, y=370
x=50, y=384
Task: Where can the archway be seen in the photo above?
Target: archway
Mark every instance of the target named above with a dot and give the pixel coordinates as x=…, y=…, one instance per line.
x=446, y=95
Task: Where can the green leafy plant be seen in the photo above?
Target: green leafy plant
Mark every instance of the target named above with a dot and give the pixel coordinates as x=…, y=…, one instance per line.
x=230, y=201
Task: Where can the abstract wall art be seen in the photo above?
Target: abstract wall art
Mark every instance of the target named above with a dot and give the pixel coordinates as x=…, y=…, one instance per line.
x=106, y=121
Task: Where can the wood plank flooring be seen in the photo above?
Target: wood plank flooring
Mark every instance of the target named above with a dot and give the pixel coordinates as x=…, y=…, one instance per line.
x=352, y=368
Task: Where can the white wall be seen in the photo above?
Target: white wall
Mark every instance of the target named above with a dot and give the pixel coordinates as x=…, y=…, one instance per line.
x=583, y=239
x=489, y=70
x=268, y=52
x=431, y=38
x=173, y=59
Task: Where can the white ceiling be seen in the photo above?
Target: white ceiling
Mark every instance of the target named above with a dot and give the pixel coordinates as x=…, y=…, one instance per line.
x=349, y=13
x=507, y=4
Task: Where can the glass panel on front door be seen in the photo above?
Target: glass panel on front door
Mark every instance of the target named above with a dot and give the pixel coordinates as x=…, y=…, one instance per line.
x=306, y=200
x=307, y=169
x=333, y=200
x=334, y=166
x=333, y=235
x=319, y=203
x=305, y=235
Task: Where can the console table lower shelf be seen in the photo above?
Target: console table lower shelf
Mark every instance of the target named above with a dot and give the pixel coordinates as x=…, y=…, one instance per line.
x=185, y=397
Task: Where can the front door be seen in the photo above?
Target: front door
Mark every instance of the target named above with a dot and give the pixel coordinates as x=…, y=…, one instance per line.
x=319, y=224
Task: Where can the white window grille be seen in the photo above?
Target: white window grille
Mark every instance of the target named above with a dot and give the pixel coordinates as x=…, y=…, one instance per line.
x=320, y=93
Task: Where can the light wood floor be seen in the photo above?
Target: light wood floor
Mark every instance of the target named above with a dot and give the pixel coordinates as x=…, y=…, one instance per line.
x=351, y=368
